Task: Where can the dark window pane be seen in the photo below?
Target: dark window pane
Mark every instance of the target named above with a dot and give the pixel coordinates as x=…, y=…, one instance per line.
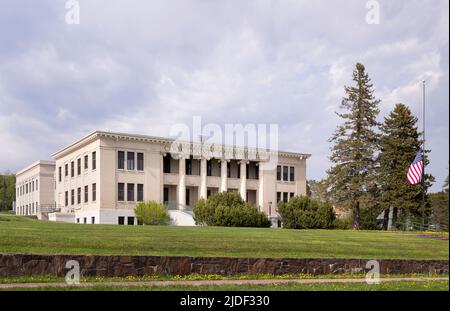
x=66, y=198
x=60, y=174
x=285, y=173
x=94, y=192
x=120, y=160
x=130, y=192
x=285, y=197
x=166, y=195
x=66, y=170
x=121, y=220
x=278, y=197
x=130, y=160
x=140, y=192
x=140, y=161
x=208, y=168
x=278, y=172
x=72, y=197
x=94, y=160
x=291, y=174
x=130, y=221
x=72, y=169
x=86, y=194
x=79, y=195
x=86, y=162
x=92, y=220
x=166, y=164
x=121, y=192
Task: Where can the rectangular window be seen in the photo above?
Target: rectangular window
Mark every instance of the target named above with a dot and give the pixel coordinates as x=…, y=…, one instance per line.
x=140, y=192
x=59, y=174
x=238, y=166
x=72, y=197
x=121, y=220
x=208, y=193
x=278, y=197
x=188, y=197
x=208, y=168
x=79, y=166
x=26, y=188
x=85, y=220
x=279, y=172
x=285, y=173
x=291, y=174
x=257, y=171
x=79, y=195
x=228, y=169
x=32, y=186
x=130, y=161
x=94, y=192
x=188, y=166
x=66, y=170
x=120, y=192
x=78, y=220
x=120, y=160
x=130, y=221
x=166, y=195
x=86, y=162
x=66, y=198
x=285, y=197
x=140, y=161
x=37, y=184
x=247, y=170
x=92, y=220
x=166, y=164
x=130, y=192
x=94, y=160
x=72, y=169
x=86, y=194
x=291, y=195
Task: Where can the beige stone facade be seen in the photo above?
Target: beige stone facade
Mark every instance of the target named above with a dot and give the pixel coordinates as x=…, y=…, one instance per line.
x=101, y=177
x=34, y=188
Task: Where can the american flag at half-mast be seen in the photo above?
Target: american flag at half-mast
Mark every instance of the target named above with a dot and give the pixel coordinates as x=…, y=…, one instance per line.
x=415, y=170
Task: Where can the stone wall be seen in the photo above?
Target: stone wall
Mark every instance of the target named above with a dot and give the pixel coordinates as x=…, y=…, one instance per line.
x=121, y=266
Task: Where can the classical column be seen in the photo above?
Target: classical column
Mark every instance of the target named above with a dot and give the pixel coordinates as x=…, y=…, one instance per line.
x=203, y=189
x=243, y=189
x=223, y=175
x=181, y=182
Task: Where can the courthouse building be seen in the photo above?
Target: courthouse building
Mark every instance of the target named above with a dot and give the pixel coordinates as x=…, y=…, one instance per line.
x=100, y=178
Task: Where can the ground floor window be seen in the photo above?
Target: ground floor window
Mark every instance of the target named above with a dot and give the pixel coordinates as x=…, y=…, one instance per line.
x=130, y=221
x=78, y=220
x=85, y=220
x=121, y=220
x=92, y=220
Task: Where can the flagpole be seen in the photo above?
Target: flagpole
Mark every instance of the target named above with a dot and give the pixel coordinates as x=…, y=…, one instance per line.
x=423, y=154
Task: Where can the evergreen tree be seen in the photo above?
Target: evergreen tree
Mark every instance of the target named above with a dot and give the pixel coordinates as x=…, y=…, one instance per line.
x=399, y=144
x=355, y=145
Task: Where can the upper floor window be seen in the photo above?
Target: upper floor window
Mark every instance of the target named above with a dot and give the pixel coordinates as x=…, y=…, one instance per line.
x=86, y=162
x=72, y=169
x=86, y=194
x=94, y=192
x=94, y=160
x=291, y=174
x=208, y=168
x=66, y=198
x=285, y=173
x=279, y=172
x=140, y=192
x=188, y=167
x=228, y=169
x=130, y=192
x=140, y=161
x=59, y=174
x=36, y=182
x=130, y=161
x=79, y=166
x=278, y=197
x=166, y=164
x=66, y=170
x=79, y=195
x=120, y=160
x=72, y=197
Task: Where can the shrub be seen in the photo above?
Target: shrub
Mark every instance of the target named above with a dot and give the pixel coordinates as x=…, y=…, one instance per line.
x=229, y=210
x=305, y=213
x=151, y=213
x=343, y=223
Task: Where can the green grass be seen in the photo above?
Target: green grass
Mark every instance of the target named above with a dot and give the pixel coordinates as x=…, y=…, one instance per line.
x=386, y=286
x=23, y=235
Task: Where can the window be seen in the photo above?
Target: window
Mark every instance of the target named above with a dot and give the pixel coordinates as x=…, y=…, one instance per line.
x=130, y=161
x=247, y=170
x=285, y=173
x=188, y=166
x=130, y=221
x=285, y=197
x=85, y=220
x=78, y=220
x=166, y=164
x=130, y=192
x=238, y=166
x=37, y=182
x=86, y=162
x=94, y=160
x=120, y=192
x=208, y=168
x=140, y=161
x=188, y=197
x=66, y=198
x=66, y=170
x=208, y=193
x=26, y=188
x=278, y=197
x=291, y=195
x=72, y=197
x=94, y=192
x=121, y=220
x=59, y=174
x=32, y=186
x=257, y=171
x=79, y=166
x=86, y=194
x=228, y=169
x=291, y=174
x=278, y=172
x=92, y=220
x=120, y=160
x=166, y=195
x=79, y=195
x=72, y=169
x=140, y=192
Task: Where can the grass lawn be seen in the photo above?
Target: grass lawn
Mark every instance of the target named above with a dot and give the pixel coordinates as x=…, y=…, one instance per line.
x=387, y=286
x=24, y=235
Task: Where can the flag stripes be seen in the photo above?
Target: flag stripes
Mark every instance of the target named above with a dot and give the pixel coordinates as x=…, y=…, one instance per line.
x=414, y=175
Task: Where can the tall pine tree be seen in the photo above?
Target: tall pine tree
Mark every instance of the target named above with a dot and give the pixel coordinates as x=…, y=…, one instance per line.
x=355, y=145
x=399, y=144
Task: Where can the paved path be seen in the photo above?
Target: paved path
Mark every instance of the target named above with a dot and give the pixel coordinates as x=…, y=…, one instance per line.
x=219, y=282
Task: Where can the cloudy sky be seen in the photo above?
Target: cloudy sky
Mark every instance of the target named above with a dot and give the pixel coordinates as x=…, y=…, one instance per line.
x=141, y=66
